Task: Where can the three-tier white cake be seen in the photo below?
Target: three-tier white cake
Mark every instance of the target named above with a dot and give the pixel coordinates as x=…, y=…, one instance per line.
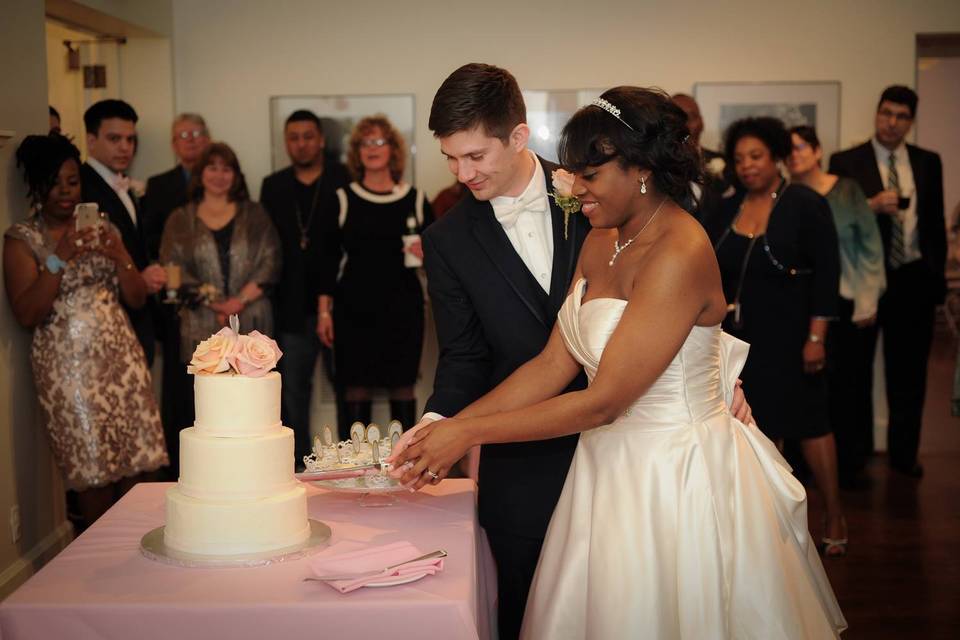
x=236, y=494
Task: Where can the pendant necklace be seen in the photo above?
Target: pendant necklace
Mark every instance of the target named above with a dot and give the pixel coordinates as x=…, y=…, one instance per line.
x=618, y=248
x=305, y=226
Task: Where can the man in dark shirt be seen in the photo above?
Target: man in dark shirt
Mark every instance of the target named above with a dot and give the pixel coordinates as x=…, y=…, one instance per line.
x=707, y=196
x=166, y=192
x=297, y=198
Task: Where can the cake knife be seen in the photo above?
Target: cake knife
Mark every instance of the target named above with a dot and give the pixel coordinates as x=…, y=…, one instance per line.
x=337, y=474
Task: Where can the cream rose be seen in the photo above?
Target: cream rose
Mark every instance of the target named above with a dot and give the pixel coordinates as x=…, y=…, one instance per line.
x=562, y=183
x=255, y=355
x=716, y=166
x=213, y=354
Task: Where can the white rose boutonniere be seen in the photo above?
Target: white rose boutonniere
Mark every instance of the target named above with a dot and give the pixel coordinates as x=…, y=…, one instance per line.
x=563, y=195
x=716, y=166
x=138, y=187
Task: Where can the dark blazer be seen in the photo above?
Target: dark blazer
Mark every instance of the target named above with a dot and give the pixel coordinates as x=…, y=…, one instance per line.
x=294, y=297
x=95, y=189
x=165, y=192
x=492, y=316
x=860, y=163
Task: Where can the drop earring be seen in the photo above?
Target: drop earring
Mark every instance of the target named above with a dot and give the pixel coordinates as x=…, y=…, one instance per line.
x=643, y=185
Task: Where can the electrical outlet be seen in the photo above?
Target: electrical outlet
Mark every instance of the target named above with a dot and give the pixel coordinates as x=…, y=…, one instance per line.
x=15, y=522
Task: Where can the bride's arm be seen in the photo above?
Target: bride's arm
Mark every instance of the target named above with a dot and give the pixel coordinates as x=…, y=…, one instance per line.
x=651, y=331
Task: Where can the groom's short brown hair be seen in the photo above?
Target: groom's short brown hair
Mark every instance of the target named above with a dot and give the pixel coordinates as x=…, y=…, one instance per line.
x=478, y=95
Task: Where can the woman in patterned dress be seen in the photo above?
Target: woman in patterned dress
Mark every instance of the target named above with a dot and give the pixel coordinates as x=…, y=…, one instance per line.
x=89, y=371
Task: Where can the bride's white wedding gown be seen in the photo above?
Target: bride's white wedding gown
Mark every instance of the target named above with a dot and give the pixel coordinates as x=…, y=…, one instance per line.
x=677, y=521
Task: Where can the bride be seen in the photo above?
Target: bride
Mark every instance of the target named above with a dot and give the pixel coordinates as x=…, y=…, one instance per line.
x=676, y=520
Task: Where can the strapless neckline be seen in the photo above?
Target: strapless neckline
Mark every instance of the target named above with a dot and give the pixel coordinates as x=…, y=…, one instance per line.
x=580, y=290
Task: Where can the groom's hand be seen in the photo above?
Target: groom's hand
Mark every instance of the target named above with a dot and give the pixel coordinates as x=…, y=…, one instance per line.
x=739, y=407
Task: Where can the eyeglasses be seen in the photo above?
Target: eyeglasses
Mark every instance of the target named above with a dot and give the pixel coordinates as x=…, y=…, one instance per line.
x=195, y=133
x=373, y=142
x=899, y=117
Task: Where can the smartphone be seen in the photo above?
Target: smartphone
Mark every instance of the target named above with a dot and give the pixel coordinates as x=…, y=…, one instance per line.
x=87, y=214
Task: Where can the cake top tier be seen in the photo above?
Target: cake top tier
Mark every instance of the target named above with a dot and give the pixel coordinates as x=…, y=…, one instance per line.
x=237, y=406
x=226, y=351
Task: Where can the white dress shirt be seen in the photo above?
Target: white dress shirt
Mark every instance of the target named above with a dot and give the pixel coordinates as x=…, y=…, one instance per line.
x=118, y=183
x=908, y=217
x=532, y=233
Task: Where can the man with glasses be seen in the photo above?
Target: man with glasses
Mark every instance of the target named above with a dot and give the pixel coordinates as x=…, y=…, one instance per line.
x=297, y=198
x=904, y=185
x=166, y=192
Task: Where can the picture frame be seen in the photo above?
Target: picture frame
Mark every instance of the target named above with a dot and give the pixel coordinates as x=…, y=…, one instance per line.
x=548, y=110
x=796, y=103
x=338, y=115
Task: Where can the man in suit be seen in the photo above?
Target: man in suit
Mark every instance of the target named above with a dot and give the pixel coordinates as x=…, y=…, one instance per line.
x=168, y=190
x=499, y=265
x=165, y=192
x=111, y=144
x=707, y=196
x=904, y=186
x=297, y=198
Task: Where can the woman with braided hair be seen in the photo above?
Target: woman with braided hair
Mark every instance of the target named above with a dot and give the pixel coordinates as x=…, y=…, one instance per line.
x=88, y=368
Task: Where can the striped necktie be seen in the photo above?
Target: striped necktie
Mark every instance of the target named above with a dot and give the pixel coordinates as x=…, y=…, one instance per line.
x=895, y=255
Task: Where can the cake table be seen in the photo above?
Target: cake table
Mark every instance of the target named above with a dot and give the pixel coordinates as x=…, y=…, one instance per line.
x=101, y=586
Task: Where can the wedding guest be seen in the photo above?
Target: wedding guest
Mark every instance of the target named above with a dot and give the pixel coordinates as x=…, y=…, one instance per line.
x=706, y=196
x=54, y=120
x=780, y=263
x=297, y=199
x=904, y=186
x=89, y=371
x=852, y=336
x=165, y=192
x=447, y=198
x=375, y=315
x=223, y=243
x=111, y=144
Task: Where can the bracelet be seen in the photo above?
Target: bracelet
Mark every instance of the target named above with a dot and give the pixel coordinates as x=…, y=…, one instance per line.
x=814, y=338
x=324, y=314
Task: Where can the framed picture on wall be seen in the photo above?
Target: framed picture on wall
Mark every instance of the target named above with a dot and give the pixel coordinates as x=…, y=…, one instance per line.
x=547, y=111
x=338, y=115
x=796, y=103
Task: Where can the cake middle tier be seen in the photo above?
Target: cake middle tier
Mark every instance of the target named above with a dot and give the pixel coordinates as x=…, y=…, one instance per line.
x=239, y=469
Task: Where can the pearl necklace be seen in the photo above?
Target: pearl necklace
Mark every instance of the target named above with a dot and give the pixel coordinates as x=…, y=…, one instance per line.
x=618, y=248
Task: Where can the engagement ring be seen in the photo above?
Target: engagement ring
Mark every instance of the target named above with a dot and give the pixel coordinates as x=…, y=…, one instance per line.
x=433, y=475
x=78, y=242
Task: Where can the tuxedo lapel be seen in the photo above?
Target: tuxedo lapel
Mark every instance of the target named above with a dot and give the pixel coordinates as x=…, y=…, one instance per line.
x=493, y=240
x=870, y=177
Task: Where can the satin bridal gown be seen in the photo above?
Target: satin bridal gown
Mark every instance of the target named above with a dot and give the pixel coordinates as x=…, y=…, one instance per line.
x=677, y=521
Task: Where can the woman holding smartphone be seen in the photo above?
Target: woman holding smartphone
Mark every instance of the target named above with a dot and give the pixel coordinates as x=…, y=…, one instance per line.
x=64, y=281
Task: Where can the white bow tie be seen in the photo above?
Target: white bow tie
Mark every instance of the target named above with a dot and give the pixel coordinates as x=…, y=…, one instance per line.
x=534, y=203
x=121, y=183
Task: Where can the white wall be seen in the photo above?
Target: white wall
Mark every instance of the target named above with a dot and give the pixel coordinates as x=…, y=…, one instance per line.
x=938, y=83
x=230, y=56
x=28, y=477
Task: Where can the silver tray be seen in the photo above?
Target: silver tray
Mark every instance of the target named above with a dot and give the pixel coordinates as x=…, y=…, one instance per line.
x=153, y=547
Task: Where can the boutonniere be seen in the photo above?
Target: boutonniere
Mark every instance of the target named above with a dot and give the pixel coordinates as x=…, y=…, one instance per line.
x=716, y=166
x=138, y=187
x=563, y=195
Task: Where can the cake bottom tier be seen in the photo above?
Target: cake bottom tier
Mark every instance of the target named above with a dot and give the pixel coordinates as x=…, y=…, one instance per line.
x=216, y=527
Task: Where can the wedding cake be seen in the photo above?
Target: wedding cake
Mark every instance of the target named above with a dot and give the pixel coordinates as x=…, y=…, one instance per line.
x=236, y=494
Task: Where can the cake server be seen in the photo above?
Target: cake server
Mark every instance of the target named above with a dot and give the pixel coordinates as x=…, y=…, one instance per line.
x=337, y=474
x=439, y=553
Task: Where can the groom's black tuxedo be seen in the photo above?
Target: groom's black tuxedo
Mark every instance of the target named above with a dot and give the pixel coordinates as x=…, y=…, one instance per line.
x=95, y=189
x=492, y=316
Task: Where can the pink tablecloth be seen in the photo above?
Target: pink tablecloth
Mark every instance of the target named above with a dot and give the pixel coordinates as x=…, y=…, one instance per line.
x=101, y=587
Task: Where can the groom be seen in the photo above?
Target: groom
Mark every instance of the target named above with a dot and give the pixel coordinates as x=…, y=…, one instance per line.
x=498, y=268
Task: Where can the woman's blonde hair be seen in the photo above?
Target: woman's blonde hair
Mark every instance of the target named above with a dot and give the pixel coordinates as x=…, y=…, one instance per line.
x=398, y=153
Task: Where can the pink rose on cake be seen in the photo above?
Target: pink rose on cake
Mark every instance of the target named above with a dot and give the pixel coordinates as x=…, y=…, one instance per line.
x=213, y=354
x=255, y=355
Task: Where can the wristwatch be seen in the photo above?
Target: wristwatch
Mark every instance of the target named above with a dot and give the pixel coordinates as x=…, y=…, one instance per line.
x=54, y=264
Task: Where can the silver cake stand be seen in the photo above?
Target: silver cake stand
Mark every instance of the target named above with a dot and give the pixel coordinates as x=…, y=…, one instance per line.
x=153, y=547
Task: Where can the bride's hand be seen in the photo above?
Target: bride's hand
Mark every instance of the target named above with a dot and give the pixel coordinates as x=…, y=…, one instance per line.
x=432, y=452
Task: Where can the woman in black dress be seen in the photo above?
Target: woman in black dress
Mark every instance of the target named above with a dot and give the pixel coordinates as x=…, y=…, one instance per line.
x=777, y=248
x=374, y=319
